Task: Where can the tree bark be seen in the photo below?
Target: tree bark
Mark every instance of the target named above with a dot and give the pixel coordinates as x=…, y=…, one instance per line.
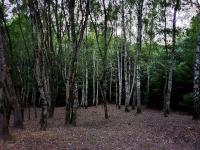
x=124, y=45
x=134, y=98
x=75, y=105
x=94, y=78
x=170, y=64
x=119, y=79
x=41, y=74
x=83, y=94
x=110, y=87
x=196, y=80
x=97, y=96
x=139, y=47
x=4, y=105
x=75, y=43
x=86, y=85
x=116, y=93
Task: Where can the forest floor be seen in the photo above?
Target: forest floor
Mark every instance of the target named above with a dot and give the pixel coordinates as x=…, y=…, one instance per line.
x=123, y=131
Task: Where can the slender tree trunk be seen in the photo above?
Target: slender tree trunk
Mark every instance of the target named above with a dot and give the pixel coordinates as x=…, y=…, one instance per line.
x=119, y=79
x=134, y=98
x=166, y=49
x=67, y=107
x=133, y=88
x=47, y=88
x=104, y=50
x=75, y=44
x=124, y=45
x=94, y=78
x=40, y=75
x=4, y=130
x=44, y=105
x=97, y=96
x=86, y=86
x=83, y=80
x=104, y=97
x=22, y=97
x=34, y=101
x=168, y=90
x=139, y=47
x=51, y=73
x=75, y=105
x=40, y=66
x=129, y=75
x=70, y=85
x=148, y=75
x=111, y=74
x=28, y=105
x=116, y=93
x=151, y=40
x=170, y=64
x=11, y=93
x=138, y=90
x=83, y=94
x=18, y=120
x=196, y=80
x=105, y=59
x=52, y=107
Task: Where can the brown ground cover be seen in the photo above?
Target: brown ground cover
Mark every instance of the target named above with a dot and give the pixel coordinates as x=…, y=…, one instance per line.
x=123, y=131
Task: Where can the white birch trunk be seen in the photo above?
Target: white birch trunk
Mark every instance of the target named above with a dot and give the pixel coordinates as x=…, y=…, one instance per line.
x=97, y=96
x=83, y=94
x=196, y=81
x=170, y=63
x=97, y=93
x=119, y=79
x=94, y=77
x=139, y=48
x=86, y=86
x=116, y=93
x=124, y=46
x=111, y=74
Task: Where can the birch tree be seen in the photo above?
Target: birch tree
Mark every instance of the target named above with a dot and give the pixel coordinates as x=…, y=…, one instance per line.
x=76, y=37
x=171, y=61
x=12, y=72
x=196, y=80
x=119, y=68
x=94, y=77
x=124, y=47
x=139, y=48
x=106, y=9
x=4, y=105
x=40, y=63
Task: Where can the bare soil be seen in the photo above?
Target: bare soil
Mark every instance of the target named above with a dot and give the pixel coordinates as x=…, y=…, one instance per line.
x=122, y=131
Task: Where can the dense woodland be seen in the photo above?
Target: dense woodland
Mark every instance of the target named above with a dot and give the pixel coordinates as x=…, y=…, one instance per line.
x=82, y=53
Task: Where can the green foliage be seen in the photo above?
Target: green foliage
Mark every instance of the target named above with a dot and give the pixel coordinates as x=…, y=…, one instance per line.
x=154, y=58
x=187, y=99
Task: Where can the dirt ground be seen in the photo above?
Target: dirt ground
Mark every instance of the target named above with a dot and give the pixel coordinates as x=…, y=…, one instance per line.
x=123, y=131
